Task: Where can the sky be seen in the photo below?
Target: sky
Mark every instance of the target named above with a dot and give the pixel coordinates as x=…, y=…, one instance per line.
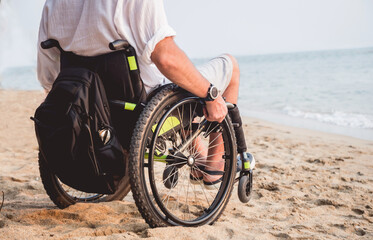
x=209, y=27
x=206, y=28
x=19, y=24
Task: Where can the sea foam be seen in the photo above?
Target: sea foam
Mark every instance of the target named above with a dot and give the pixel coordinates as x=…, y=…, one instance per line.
x=336, y=118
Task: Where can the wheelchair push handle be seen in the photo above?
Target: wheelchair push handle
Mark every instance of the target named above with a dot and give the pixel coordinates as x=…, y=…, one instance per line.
x=119, y=44
x=50, y=43
x=230, y=105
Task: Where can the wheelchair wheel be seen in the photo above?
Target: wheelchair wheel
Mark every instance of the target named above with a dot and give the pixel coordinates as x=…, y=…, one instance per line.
x=245, y=188
x=167, y=146
x=64, y=196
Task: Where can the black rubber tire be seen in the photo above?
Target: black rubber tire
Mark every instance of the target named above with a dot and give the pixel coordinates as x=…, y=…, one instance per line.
x=244, y=189
x=149, y=208
x=63, y=199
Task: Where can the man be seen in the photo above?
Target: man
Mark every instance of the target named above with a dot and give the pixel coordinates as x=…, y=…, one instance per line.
x=86, y=28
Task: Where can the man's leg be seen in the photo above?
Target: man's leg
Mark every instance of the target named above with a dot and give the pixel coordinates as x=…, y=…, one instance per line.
x=214, y=161
x=231, y=93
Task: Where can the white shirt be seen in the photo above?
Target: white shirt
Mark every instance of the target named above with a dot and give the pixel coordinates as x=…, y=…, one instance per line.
x=86, y=27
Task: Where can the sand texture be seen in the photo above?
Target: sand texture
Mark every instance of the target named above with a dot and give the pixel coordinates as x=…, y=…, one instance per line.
x=307, y=185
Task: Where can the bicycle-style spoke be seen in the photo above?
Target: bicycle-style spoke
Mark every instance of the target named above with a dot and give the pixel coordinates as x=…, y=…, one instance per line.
x=206, y=159
x=170, y=176
x=213, y=141
x=178, y=157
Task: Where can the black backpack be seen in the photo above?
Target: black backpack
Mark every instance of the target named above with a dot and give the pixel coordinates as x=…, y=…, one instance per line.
x=75, y=133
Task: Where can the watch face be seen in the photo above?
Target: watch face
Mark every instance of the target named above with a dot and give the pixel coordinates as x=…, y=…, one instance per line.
x=214, y=92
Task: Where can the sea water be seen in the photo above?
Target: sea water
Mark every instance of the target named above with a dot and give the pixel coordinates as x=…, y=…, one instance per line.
x=327, y=90
x=330, y=91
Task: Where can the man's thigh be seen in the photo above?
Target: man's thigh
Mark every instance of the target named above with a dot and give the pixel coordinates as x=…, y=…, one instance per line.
x=218, y=71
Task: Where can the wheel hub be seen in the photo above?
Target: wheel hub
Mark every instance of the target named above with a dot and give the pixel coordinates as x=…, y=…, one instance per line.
x=191, y=161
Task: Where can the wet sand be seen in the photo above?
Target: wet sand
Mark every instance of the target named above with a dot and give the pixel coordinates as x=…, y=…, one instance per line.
x=307, y=185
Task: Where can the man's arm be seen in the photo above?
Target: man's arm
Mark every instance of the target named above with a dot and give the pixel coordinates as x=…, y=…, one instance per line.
x=48, y=60
x=176, y=66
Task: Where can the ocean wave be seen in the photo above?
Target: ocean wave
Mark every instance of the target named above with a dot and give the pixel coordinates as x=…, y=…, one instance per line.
x=339, y=118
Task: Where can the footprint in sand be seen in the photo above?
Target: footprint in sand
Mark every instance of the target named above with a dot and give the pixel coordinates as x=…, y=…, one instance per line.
x=358, y=211
x=316, y=161
x=269, y=186
x=360, y=231
x=323, y=202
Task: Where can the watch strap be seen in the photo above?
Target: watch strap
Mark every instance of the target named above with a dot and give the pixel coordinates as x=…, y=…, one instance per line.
x=209, y=96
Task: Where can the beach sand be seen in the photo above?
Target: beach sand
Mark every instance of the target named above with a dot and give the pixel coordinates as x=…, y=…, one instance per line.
x=307, y=185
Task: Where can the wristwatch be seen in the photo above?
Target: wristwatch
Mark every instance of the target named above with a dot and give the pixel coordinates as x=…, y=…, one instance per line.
x=212, y=93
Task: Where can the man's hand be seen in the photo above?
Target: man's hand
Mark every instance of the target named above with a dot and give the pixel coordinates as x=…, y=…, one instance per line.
x=216, y=110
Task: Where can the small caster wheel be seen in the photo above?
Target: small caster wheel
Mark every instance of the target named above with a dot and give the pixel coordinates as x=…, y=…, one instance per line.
x=245, y=186
x=170, y=176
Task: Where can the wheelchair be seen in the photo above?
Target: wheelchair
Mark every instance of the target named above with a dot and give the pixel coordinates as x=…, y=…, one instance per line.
x=172, y=149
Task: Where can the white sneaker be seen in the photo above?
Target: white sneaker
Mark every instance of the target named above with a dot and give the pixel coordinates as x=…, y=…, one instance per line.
x=247, y=156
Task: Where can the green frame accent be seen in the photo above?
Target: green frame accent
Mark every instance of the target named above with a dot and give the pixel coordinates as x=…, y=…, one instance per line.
x=247, y=165
x=170, y=123
x=156, y=158
x=132, y=63
x=129, y=106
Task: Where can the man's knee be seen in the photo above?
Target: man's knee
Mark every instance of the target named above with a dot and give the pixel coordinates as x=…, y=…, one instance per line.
x=235, y=70
x=234, y=60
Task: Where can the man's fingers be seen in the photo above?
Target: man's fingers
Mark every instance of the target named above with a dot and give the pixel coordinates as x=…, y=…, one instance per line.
x=216, y=110
x=207, y=116
x=213, y=118
x=205, y=112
